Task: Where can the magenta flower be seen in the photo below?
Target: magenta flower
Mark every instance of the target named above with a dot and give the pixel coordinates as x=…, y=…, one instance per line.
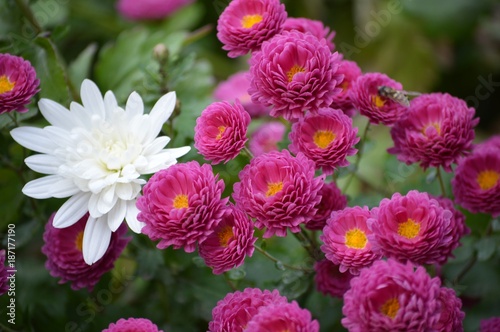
x=294, y=72
x=345, y=239
x=182, y=205
x=231, y=241
x=492, y=142
x=326, y=138
x=266, y=138
x=279, y=191
x=329, y=280
x=490, y=325
x=236, y=87
x=235, y=310
x=438, y=130
x=282, y=317
x=245, y=24
x=4, y=275
x=332, y=199
x=220, y=131
x=476, y=185
x=414, y=227
x=63, y=248
x=390, y=296
x=343, y=101
x=18, y=83
x=132, y=325
x=451, y=316
x=365, y=97
x=149, y=9
x=315, y=28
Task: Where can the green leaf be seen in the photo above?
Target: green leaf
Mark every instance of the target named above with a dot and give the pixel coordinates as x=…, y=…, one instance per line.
x=485, y=248
x=10, y=197
x=79, y=69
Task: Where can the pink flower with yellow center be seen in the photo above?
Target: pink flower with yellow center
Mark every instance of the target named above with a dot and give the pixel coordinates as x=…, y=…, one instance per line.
x=18, y=83
x=391, y=296
x=266, y=138
x=345, y=239
x=332, y=199
x=438, y=130
x=414, y=227
x=294, y=72
x=132, y=325
x=326, y=138
x=280, y=191
x=342, y=101
x=245, y=24
x=231, y=241
x=364, y=94
x=329, y=280
x=314, y=27
x=63, y=248
x=220, y=131
x=476, y=185
x=182, y=205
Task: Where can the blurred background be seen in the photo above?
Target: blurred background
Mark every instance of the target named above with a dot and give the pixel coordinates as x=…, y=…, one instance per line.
x=448, y=46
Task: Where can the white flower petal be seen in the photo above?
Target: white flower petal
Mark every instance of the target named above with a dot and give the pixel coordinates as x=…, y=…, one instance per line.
x=35, y=139
x=58, y=135
x=135, y=105
x=164, y=159
x=92, y=98
x=72, y=210
x=117, y=215
x=110, y=102
x=159, y=114
x=43, y=163
x=80, y=114
x=131, y=218
x=50, y=186
x=96, y=238
x=156, y=146
x=56, y=114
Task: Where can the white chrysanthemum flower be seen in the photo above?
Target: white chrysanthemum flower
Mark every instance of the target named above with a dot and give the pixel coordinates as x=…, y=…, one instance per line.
x=95, y=154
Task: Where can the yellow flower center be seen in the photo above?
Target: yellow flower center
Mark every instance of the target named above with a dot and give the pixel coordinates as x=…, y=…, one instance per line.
x=378, y=101
x=355, y=238
x=225, y=235
x=6, y=85
x=79, y=241
x=221, y=129
x=249, y=21
x=487, y=179
x=409, y=229
x=181, y=202
x=274, y=188
x=323, y=138
x=390, y=308
x=344, y=86
x=294, y=70
x=435, y=125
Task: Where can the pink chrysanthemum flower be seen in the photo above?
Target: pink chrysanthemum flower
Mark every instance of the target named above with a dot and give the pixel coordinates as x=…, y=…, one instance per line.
x=245, y=24
x=315, y=28
x=182, y=205
x=220, y=131
x=279, y=190
x=332, y=199
x=149, y=9
x=438, y=130
x=345, y=239
x=414, y=227
x=342, y=101
x=236, y=87
x=18, y=83
x=326, y=138
x=132, y=325
x=476, y=185
x=231, y=241
x=492, y=142
x=235, y=310
x=490, y=325
x=294, y=72
x=266, y=138
x=365, y=97
x=4, y=282
x=390, y=296
x=329, y=280
x=282, y=317
x=451, y=316
x=63, y=248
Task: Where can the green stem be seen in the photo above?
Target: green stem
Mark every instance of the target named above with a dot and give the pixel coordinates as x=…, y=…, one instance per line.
x=247, y=152
x=230, y=282
x=25, y=8
x=358, y=159
x=275, y=260
x=307, y=244
x=441, y=182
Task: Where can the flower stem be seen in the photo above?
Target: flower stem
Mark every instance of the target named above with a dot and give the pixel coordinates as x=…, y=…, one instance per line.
x=307, y=243
x=247, y=152
x=358, y=159
x=441, y=182
x=25, y=8
x=277, y=261
x=230, y=282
